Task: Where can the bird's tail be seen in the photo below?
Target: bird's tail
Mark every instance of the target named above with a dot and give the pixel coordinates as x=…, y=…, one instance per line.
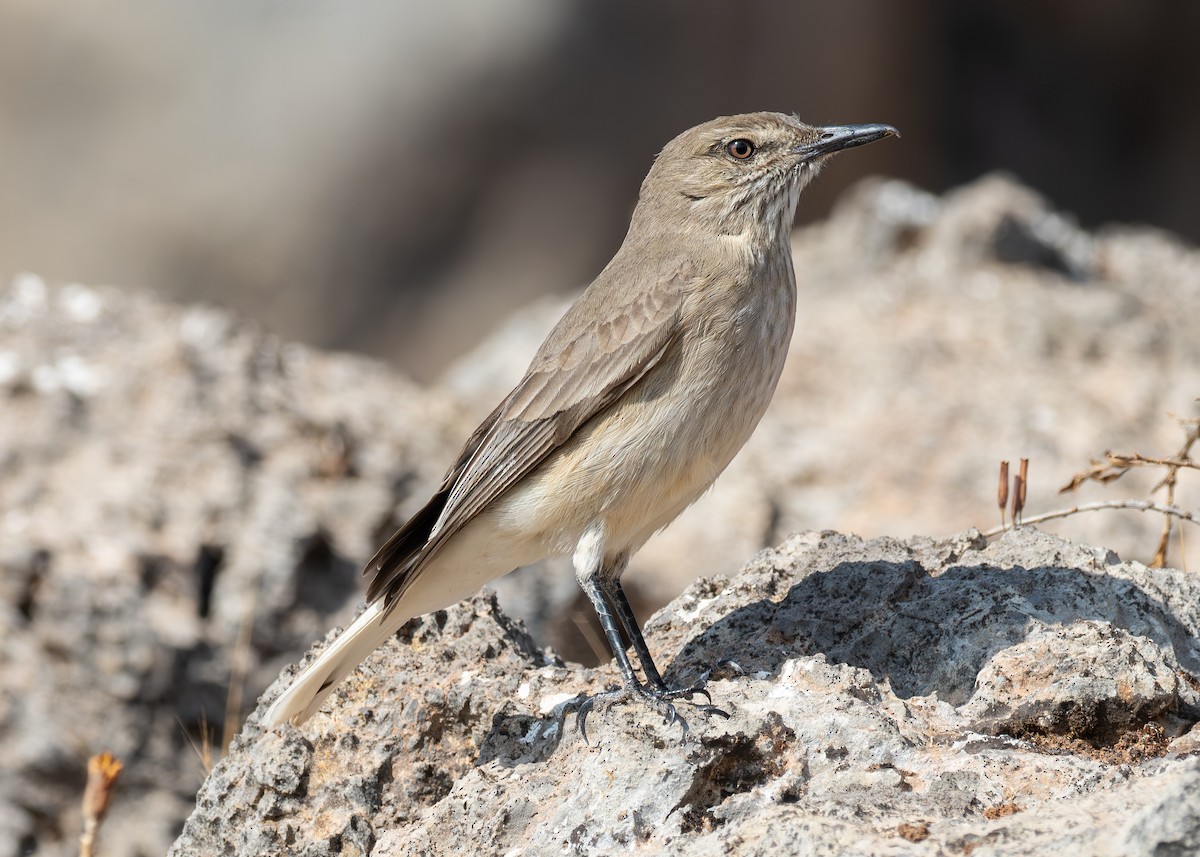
x=317, y=680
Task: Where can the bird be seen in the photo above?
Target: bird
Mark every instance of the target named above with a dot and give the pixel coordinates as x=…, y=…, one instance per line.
x=637, y=400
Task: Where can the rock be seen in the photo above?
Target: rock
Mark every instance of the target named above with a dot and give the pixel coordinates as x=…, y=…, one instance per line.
x=1086, y=680
x=856, y=675
x=187, y=502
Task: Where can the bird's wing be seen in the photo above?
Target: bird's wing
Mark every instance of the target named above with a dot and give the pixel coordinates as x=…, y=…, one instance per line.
x=605, y=344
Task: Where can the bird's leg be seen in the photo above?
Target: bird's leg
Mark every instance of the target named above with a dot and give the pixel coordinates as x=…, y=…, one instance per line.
x=610, y=588
x=615, y=595
x=595, y=594
x=599, y=576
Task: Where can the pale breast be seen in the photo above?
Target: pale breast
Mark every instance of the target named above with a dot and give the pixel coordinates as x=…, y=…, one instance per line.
x=638, y=465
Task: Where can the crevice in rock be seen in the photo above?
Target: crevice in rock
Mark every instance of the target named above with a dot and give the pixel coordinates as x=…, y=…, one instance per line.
x=150, y=571
x=39, y=565
x=324, y=578
x=736, y=764
x=249, y=455
x=1102, y=731
x=207, y=567
x=1132, y=746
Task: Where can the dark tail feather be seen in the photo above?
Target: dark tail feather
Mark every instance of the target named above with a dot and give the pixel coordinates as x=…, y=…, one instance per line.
x=391, y=564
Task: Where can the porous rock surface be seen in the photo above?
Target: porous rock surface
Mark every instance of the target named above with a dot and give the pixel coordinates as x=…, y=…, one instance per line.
x=885, y=697
x=184, y=504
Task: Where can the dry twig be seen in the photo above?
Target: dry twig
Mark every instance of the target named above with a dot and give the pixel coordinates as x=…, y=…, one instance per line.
x=1136, y=505
x=1002, y=493
x=237, y=675
x=102, y=779
x=1020, y=482
x=204, y=751
x=1116, y=465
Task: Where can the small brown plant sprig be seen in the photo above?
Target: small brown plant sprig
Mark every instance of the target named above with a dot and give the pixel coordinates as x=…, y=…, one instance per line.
x=1018, y=492
x=204, y=751
x=103, y=770
x=1116, y=465
x=1002, y=493
x=1113, y=467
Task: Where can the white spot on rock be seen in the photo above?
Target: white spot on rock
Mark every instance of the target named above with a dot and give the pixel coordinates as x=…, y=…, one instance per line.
x=551, y=702
x=80, y=303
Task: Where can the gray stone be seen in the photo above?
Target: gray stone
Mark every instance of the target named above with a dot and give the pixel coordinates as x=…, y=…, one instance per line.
x=186, y=502
x=1040, y=685
x=856, y=674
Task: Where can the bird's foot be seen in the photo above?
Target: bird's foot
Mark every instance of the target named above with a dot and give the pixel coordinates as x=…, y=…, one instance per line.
x=660, y=699
x=686, y=693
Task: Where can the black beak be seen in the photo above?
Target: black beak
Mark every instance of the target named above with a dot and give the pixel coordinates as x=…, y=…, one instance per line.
x=834, y=138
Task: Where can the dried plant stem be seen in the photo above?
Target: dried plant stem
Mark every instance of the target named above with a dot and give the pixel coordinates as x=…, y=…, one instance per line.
x=103, y=770
x=1168, y=481
x=203, y=750
x=1002, y=493
x=593, y=641
x=1137, y=505
x=1116, y=465
x=1020, y=484
x=237, y=675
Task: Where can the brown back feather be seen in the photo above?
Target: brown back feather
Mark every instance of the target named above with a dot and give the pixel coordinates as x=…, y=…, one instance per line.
x=586, y=364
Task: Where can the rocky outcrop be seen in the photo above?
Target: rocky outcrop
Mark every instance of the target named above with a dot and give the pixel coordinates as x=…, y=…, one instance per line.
x=885, y=697
x=184, y=504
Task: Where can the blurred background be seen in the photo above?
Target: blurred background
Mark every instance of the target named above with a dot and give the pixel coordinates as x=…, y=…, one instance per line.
x=390, y=178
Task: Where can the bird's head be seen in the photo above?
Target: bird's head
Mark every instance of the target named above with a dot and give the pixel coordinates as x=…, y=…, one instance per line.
x=745, y=172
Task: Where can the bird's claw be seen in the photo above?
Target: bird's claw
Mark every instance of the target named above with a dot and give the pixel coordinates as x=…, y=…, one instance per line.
x=585, y=708
x=684, y=693
x=658, y=699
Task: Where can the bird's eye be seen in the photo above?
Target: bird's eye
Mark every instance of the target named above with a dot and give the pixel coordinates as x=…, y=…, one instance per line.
x=740, y=149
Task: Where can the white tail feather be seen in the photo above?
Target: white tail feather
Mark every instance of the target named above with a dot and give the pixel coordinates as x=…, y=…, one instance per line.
x=316, y=681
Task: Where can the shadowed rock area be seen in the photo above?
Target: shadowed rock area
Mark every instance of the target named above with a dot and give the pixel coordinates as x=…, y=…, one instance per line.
x=186, y=502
